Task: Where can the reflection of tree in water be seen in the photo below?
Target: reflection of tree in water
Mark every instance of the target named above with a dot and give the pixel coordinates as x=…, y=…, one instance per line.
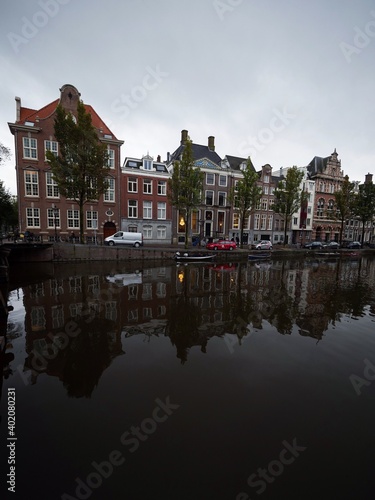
x=184, y=320
x=86, y=357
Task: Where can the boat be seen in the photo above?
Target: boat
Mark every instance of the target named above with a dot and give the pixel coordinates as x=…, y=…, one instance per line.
x=196, y=257
x=259, y=256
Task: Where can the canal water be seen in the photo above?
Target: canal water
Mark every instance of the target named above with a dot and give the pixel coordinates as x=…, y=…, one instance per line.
x=191, y=382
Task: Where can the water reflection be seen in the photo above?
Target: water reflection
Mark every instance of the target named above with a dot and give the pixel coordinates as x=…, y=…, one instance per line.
x=78, y=321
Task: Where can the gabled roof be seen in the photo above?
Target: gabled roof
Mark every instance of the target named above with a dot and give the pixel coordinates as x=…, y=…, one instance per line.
x=199, y=152
x=235, y=162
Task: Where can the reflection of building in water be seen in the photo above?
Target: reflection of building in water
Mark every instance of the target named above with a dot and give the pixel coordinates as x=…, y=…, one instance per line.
x=190, y=304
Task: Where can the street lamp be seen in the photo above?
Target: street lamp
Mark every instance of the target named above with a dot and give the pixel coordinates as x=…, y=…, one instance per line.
x=55, y=214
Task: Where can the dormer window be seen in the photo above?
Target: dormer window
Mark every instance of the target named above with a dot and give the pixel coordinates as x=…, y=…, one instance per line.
x=147, y=164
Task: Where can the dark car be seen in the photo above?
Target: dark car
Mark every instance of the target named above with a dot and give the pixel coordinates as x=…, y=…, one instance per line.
x=314, y=245
x=332, y=245
x=354, y=244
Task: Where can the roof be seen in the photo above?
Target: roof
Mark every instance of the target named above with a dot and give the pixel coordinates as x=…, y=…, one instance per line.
x=317, y=165
x=31, y=115
x=235, y=162
x=199, y=152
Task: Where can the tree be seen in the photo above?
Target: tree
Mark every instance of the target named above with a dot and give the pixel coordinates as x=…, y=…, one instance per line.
x=8, y=209
x=81, y=168
x=4, y=153
x=185, y=187
x=344, y=203
x=364, y=205
x=246, y=195
x=288, y=196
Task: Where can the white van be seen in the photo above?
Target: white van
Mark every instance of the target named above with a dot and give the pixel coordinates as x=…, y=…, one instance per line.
x=124, y=238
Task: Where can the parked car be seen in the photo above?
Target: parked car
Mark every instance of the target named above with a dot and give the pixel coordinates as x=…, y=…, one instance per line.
x=314, y=245
x=222, y=245
x=332, y=245
x=264, y=245
x=353, y=244
x=124, y=238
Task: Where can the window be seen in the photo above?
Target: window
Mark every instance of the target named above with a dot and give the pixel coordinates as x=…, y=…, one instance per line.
x=266, y=179
x=263, y=222
x=162, y=187
x=29, y=148
x=162, y=210
x=147, y=232
x=210, y=179
x=111, y=157
x=91, y=219
x=295, y=221
x=270, y=220
x=147, y=164
x=272, y=190
x=147, y=186
x=33, y=217
x=52, y=188
x=132, y=209
x=222, y=180
x=308, y=222
x=194, y=221
x=264, y=204
x=147, y=209
x=209, y=197
x=221, y=221
x=222, y=200
x=109, y=194
x=53, y=217
x=235, y=221
x=31, y=183
x=277, y=222
x=256, y=221
x=265, y=189
x=51, y=146
x=161, y=232
x=132, y=185
x=73, y=219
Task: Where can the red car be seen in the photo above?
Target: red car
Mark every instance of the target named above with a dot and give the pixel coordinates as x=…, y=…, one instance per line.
x=222, y=245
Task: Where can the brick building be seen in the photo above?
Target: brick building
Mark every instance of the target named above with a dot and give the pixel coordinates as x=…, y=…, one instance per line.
x=42, y=210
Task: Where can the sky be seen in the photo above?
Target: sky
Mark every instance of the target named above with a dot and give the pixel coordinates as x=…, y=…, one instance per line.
x=280, y=81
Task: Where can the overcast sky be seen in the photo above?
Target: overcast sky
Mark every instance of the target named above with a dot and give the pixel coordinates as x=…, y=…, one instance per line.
x=279, y=80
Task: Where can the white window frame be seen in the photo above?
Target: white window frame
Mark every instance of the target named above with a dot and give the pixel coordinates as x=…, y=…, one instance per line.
x=223, y=178
x=91, y=216
x=72, y=217
x=52, y=189
x=30, y=148
x=162, y=188
x=132, y=185
x=132, y=209
x=147, y=231
x=31, y=183
x=147, y=209
x=162, y=210
x=161, y=232
x=33, y=217
x=109, y=194
x=111, y=157
x=53, y=217
x=52, y=146
x=208, y=176
x=147, y=186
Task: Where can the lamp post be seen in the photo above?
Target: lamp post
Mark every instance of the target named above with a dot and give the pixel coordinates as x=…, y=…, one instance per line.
x=55, y=214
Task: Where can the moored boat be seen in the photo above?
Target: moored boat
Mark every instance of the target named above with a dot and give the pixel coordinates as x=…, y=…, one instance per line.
x=259, y=256
x=186, y=256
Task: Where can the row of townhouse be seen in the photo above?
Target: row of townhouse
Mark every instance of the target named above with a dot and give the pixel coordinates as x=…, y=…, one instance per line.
x=136, y=198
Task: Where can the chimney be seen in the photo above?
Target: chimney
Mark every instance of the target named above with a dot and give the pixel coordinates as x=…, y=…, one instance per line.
x=18, y=109
x=158, y=159
x=184, y=136
x=168, y=157
x=368, y=179
x=211, y=143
